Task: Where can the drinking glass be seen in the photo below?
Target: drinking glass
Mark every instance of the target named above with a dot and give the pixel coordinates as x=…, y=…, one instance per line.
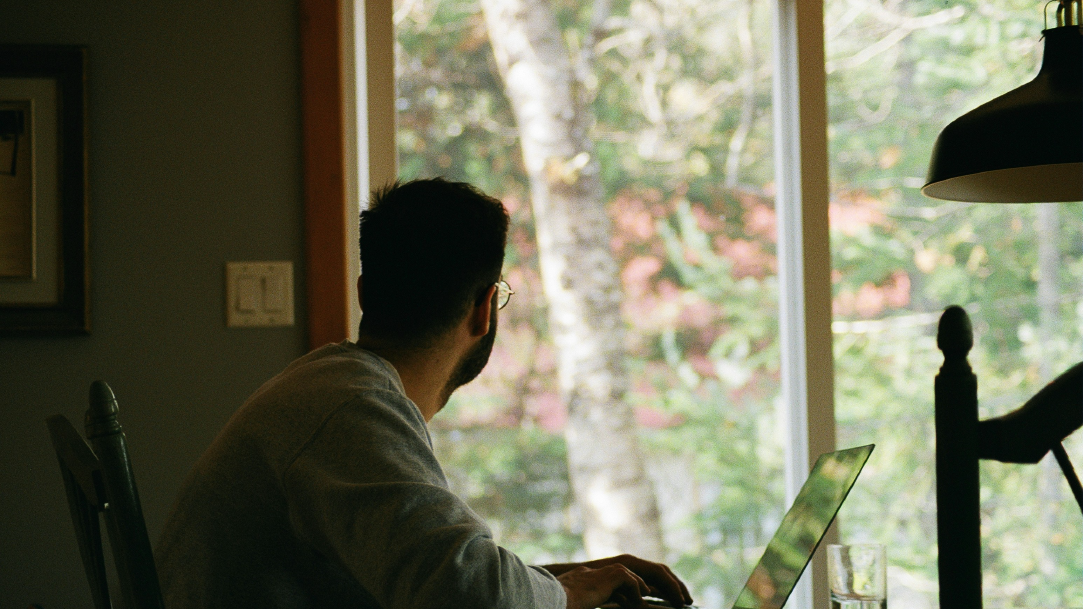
x=857, y=575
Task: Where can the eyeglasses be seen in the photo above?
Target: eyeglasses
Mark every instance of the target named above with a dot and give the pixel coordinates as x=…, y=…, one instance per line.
x=503, y=294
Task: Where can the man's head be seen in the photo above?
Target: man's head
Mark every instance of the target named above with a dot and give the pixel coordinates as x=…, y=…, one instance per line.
x=430, y=252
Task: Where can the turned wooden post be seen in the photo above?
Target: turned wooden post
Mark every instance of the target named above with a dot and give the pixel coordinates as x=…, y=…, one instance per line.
x=123, y=514
x=957, y=503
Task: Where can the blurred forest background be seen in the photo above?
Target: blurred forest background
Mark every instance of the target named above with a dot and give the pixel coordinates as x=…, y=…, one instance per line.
x=632, y=400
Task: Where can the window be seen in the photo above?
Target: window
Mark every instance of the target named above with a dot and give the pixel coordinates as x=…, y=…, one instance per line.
x=637, y=365
x=681, y=137
x=897, y=72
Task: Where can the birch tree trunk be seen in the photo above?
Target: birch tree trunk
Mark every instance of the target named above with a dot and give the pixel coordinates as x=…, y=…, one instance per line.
x=580, y=278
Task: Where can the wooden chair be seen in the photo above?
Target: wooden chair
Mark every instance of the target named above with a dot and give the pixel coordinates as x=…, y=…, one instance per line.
x=1021, y=436
x=98, y=479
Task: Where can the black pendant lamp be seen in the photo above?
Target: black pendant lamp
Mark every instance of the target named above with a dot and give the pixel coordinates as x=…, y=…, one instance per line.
x=1025, y=146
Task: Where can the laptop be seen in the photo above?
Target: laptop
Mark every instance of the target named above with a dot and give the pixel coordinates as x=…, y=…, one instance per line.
x=801, y=530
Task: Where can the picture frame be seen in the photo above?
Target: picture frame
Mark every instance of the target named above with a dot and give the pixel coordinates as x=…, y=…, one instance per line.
x=44, y=272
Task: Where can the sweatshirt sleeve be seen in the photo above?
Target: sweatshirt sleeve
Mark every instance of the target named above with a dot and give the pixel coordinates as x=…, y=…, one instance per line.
x=366, y=490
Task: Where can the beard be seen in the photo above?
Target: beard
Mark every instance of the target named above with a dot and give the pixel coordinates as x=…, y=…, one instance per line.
x=473, y=361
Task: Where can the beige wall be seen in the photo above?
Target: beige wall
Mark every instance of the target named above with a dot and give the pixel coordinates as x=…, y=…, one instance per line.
x=194, y=160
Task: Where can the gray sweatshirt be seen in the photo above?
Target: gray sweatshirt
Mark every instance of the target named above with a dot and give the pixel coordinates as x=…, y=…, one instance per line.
x=323, y=491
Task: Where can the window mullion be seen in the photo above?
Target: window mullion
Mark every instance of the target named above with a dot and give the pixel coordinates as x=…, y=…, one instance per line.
x=369, y=77
x=804, y=258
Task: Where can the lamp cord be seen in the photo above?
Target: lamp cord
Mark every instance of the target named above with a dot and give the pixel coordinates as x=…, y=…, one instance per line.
x=1069, y=472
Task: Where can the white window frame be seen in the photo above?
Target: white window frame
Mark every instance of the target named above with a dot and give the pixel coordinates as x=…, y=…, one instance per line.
x=368, y=42
x=804, y=256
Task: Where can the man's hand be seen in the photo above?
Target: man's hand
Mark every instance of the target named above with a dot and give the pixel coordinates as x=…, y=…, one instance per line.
x=587, y=588
x=622, y=579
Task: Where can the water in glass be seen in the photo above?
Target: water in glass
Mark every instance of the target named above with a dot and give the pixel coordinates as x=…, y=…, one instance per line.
x=856, y=601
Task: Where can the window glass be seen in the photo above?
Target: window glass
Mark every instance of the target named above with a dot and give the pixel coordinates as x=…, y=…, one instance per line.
x=897, y=73
x=630, y=402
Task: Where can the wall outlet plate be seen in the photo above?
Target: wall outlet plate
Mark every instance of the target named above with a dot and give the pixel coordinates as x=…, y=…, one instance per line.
x=259, y=294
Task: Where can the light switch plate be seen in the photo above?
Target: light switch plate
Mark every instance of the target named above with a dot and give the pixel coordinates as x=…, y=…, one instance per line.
x=259, y=294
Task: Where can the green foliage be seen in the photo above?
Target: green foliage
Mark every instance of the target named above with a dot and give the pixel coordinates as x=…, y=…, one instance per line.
x=680, y=92
x=885, y=115
x=519, y=480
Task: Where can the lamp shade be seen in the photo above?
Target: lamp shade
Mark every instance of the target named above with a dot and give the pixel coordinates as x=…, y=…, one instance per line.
x=1025, y=146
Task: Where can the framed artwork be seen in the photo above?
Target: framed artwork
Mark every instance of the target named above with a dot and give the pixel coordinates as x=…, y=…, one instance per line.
x=44, y=277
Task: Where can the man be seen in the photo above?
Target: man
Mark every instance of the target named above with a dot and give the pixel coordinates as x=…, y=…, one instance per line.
x=323, y=489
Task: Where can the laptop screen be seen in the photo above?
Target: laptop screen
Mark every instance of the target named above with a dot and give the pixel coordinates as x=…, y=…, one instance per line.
x=801, y=530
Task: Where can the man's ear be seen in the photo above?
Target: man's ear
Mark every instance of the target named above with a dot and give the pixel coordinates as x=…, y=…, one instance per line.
x=480, y=314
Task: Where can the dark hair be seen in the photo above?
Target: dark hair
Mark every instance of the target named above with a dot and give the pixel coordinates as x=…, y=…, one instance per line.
x=429, y=250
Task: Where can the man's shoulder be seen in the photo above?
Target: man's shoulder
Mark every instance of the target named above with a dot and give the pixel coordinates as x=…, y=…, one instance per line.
x=331, y=374
x=354, y=364
x=339, y=403
x=295, y=407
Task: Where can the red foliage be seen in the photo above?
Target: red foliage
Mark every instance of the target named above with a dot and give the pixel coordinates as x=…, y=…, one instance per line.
x=706, y=222
x=697, y=314
x=759, y=216
x=632, y=221
x=548, y=411
x=653, y=418
x=853, y=211
x=701, y=364
x=871, y=300
x=637, y=273
x=748, y=257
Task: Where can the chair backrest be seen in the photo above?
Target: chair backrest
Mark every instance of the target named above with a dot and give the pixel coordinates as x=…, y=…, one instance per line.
x=962, y=440
x=98, y=479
